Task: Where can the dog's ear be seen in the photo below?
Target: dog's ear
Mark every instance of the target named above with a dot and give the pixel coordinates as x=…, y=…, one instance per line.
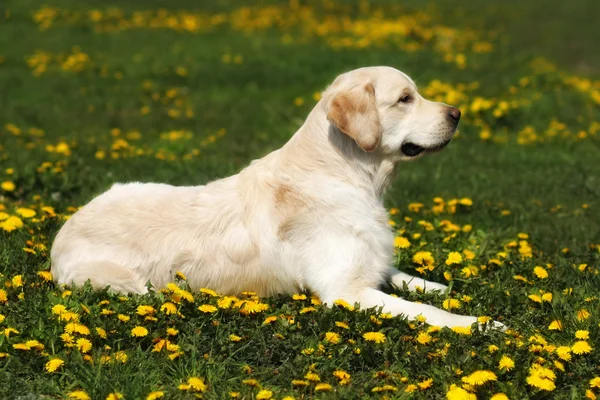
x=354, y=113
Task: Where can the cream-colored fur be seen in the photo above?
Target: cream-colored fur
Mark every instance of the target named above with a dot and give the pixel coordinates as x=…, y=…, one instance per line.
x=307, y=216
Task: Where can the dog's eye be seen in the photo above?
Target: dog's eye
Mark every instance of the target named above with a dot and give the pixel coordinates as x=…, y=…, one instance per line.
x=405, y=98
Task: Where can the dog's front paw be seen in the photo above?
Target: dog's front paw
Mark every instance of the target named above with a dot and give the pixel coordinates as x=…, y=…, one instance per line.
x=434, y=287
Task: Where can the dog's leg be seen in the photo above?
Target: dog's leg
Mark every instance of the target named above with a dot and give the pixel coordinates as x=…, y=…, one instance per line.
x=102, y=274
x=398, y=279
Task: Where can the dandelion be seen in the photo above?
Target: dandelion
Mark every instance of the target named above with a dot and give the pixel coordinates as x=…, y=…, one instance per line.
x=26, y=212
x=343, y=304
x=506, y=363
x=312, y=377
x=582, y=315
x=581, y=334
x=323, y=387
x=541, y=378
x=564, y=353
x=79, y=395
x=168, y=308
x=251, y=382
x=253, y=307
x=207, y=308
x=454, y=258
x=581, y=347
x=332, y=337
x=270, y=319
x=342, y=325
x=114, y=396
x=139, y=331
x=145, y=310
x=307, y=310
x=540, y=272
x=300, y=382
x=458, y=393
x=462, y=330
x=555, y=325
x=499, y=396
x=299, y=296
x=8, y=186
x=53, y=365
x=343, y=376
x=423, y=338
x=479, y=378
x=401, y=242
x=426, y=384
x=450, y=304
x=83, y=345
x=384, y=388
x=595, y=382
x=155, y=395
x=264, y=394
x=234, y=338
x=376, y=337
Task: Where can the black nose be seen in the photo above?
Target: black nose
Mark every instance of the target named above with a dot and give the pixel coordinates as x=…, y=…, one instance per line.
x=454, y=113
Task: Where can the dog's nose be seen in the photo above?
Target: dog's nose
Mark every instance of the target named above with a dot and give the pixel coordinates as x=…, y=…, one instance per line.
x=454, y=113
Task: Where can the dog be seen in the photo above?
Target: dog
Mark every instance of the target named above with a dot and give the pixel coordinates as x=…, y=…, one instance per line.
x=308, y=216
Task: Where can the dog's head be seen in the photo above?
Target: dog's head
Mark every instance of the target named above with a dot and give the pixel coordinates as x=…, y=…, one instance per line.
x=381, y=110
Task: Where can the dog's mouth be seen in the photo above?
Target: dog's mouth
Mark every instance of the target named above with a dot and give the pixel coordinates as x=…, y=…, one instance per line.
x=412, y=150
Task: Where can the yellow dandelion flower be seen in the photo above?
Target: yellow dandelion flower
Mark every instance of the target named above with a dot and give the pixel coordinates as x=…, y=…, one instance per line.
x=26, y=212
x=376, y=337
x=45, y=275
x=590, y=395
x=312, y=377
x=563, y=352
x=540, y=272
x=251, y=382
x=423, y=258
x=342, y=325
x=307, y=310
x=299, y=296
x=499, y=396
x=423, y=338
x=101, y=332
x=332, y=337
x=462, y=330
x=145, y=310
x=541, y=378
x=506, y=363
x=300, y=382
x=450, y=304
x=581, y=334
x=264, y=394
x=595, y=382
x=343, y=304
x=17, y=281
x=155, y=395
x=139, y=331
x=234, y=338
x=53, y=365
x=168, y=308
x=555, y=325
x=253, y=307
x=384, y=388
x=83, y=345
x=479, y=378
x=207, y=308
x=342, y=375
x=410, y=388
x=197, y=384
x=270, y=319
x=323, y=387
x=78, y=395
x=458, y=393
x=426, y=384
x=209, y=292
x=582, y=315
x=123, y=318
x=581, y=347
x=401, y=242
x=454, y=258
x=8, y=186
x=114, y=396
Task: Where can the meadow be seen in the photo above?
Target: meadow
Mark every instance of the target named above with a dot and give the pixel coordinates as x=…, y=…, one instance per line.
x=507, y=215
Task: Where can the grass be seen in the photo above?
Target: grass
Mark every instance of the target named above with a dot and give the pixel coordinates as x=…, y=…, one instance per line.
x=93, y=94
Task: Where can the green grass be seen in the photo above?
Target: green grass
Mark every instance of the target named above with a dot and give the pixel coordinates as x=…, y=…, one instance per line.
x=96, y=131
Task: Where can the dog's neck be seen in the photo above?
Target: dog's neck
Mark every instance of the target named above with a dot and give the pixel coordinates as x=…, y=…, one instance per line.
x=326, y=150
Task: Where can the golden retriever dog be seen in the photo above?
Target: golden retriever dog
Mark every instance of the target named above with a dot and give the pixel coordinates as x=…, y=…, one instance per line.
x=308, y=216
